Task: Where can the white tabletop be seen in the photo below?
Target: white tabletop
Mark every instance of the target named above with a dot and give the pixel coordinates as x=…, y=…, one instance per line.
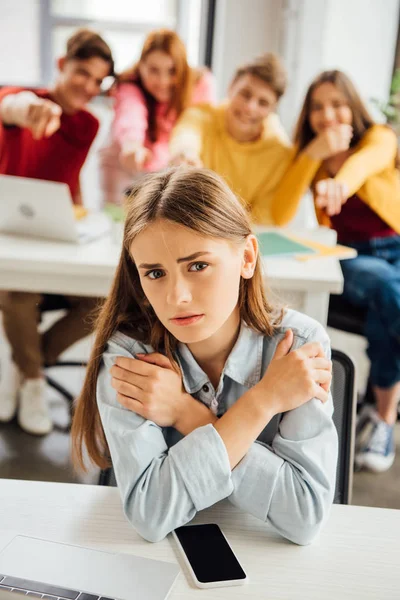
x=29, y=264
x=355, y=557
x=34, y=265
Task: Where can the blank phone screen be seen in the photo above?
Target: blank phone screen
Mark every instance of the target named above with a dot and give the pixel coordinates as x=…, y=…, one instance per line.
x=209, y=553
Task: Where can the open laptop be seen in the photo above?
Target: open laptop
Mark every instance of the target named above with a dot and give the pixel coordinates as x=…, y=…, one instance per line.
x=51, y=570
x=44, y=209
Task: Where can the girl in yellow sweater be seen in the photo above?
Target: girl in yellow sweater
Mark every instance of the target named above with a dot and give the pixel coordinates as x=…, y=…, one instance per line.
x=350, y=164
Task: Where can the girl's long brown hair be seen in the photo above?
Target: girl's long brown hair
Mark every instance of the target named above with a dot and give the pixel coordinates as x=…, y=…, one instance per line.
x=197, y=199
x=362, y=120
x=167, y=41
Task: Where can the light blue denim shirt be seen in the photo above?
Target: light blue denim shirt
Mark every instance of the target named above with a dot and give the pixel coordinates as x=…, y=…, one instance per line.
x=287, y=478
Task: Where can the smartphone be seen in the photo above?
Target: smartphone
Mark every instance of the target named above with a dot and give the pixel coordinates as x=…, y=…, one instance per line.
x=209, y=557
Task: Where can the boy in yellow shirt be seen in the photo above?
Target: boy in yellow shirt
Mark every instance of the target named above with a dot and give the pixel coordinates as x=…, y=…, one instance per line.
x=241, y=139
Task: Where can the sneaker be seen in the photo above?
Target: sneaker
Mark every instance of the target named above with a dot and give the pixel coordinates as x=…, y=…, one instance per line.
x=375, y=448
x=10, y=382
x=364, y=419
x=33, y=413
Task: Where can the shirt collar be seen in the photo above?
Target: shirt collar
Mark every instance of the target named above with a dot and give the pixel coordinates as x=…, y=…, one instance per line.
x=243, y=364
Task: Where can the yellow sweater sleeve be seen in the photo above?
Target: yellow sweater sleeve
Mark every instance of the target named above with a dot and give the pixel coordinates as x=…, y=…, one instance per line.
x=187, y=135
x=376, y=152
x=294, y=184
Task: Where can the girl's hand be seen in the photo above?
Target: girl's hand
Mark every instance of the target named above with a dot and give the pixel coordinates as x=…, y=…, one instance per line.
x=330, y=195
x=330, y=142
x=134, y=158
x=185, y=159
x=149, y=386
x=294, y=378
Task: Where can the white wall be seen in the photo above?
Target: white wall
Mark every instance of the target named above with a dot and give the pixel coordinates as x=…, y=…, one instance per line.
x=243, y=30
x=302, y=41
x=19, y=42
x=356, y=36
x=361, y=39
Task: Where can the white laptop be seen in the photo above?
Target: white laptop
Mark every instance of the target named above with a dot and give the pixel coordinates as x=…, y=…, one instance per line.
x=52, y=570
x=44, y=209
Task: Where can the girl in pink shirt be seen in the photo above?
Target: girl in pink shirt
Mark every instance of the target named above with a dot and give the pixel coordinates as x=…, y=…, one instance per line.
x=149, y=98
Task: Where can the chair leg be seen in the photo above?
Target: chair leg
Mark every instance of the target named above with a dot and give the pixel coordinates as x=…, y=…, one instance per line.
x=61, y=389
x=104, y=477
x=369, y=394
x=67, y=396
x=67, y=363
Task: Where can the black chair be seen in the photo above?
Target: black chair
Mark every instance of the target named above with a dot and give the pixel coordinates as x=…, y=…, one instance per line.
x=107, y=477
x=53, y=302
x=343, y=394
x=345, y=316
x=344, y=402
x=351, y=319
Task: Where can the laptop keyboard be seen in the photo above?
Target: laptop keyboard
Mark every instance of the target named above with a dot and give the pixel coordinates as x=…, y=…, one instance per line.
x=43, y=590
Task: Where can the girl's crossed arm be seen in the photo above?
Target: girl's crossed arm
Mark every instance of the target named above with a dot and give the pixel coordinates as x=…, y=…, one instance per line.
x=201, y=463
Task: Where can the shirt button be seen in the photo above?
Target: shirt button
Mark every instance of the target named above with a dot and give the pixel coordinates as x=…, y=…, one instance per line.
x=206, y=389
x=214, y=406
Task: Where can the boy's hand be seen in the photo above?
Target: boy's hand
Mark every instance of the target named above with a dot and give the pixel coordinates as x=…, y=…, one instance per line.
x=43, y=118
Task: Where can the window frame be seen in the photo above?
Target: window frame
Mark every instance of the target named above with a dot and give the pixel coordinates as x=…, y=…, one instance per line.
x=49, y=21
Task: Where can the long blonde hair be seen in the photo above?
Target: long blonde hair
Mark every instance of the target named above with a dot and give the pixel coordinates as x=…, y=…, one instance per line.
x=195, y=198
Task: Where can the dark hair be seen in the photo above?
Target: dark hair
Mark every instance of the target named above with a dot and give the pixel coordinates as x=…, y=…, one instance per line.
x=362, y=120
x=167, y=41
x=85, y=44
x=201, y=201
x=269, y=68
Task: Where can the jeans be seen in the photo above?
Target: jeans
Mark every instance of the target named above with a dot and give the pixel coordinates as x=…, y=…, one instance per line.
x=372, y=281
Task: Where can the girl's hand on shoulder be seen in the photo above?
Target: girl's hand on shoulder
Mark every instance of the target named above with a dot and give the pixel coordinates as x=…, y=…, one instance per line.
x=329, y=142
x=295, y=377
x=330, y=195
x=150, y=386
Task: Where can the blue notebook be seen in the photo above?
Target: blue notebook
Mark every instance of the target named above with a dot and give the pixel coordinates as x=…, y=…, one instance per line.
x=277, y=244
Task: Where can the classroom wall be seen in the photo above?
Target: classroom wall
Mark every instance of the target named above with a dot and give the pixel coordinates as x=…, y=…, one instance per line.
x=301, y=48
x=243, y=30
x=19, y=42
x=361, y=38
x=356, y=36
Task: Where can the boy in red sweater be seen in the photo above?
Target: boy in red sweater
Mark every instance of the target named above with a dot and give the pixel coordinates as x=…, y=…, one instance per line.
x=46, y=134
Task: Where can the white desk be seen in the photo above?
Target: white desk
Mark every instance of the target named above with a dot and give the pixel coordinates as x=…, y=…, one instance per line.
x=87, y=270
x=355, y=557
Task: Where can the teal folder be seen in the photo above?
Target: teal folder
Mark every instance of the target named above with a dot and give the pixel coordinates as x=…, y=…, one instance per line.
x=277, y=244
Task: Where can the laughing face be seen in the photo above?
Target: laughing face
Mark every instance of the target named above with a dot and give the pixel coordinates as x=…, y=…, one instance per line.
x=79, y=81
x=251, y=100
